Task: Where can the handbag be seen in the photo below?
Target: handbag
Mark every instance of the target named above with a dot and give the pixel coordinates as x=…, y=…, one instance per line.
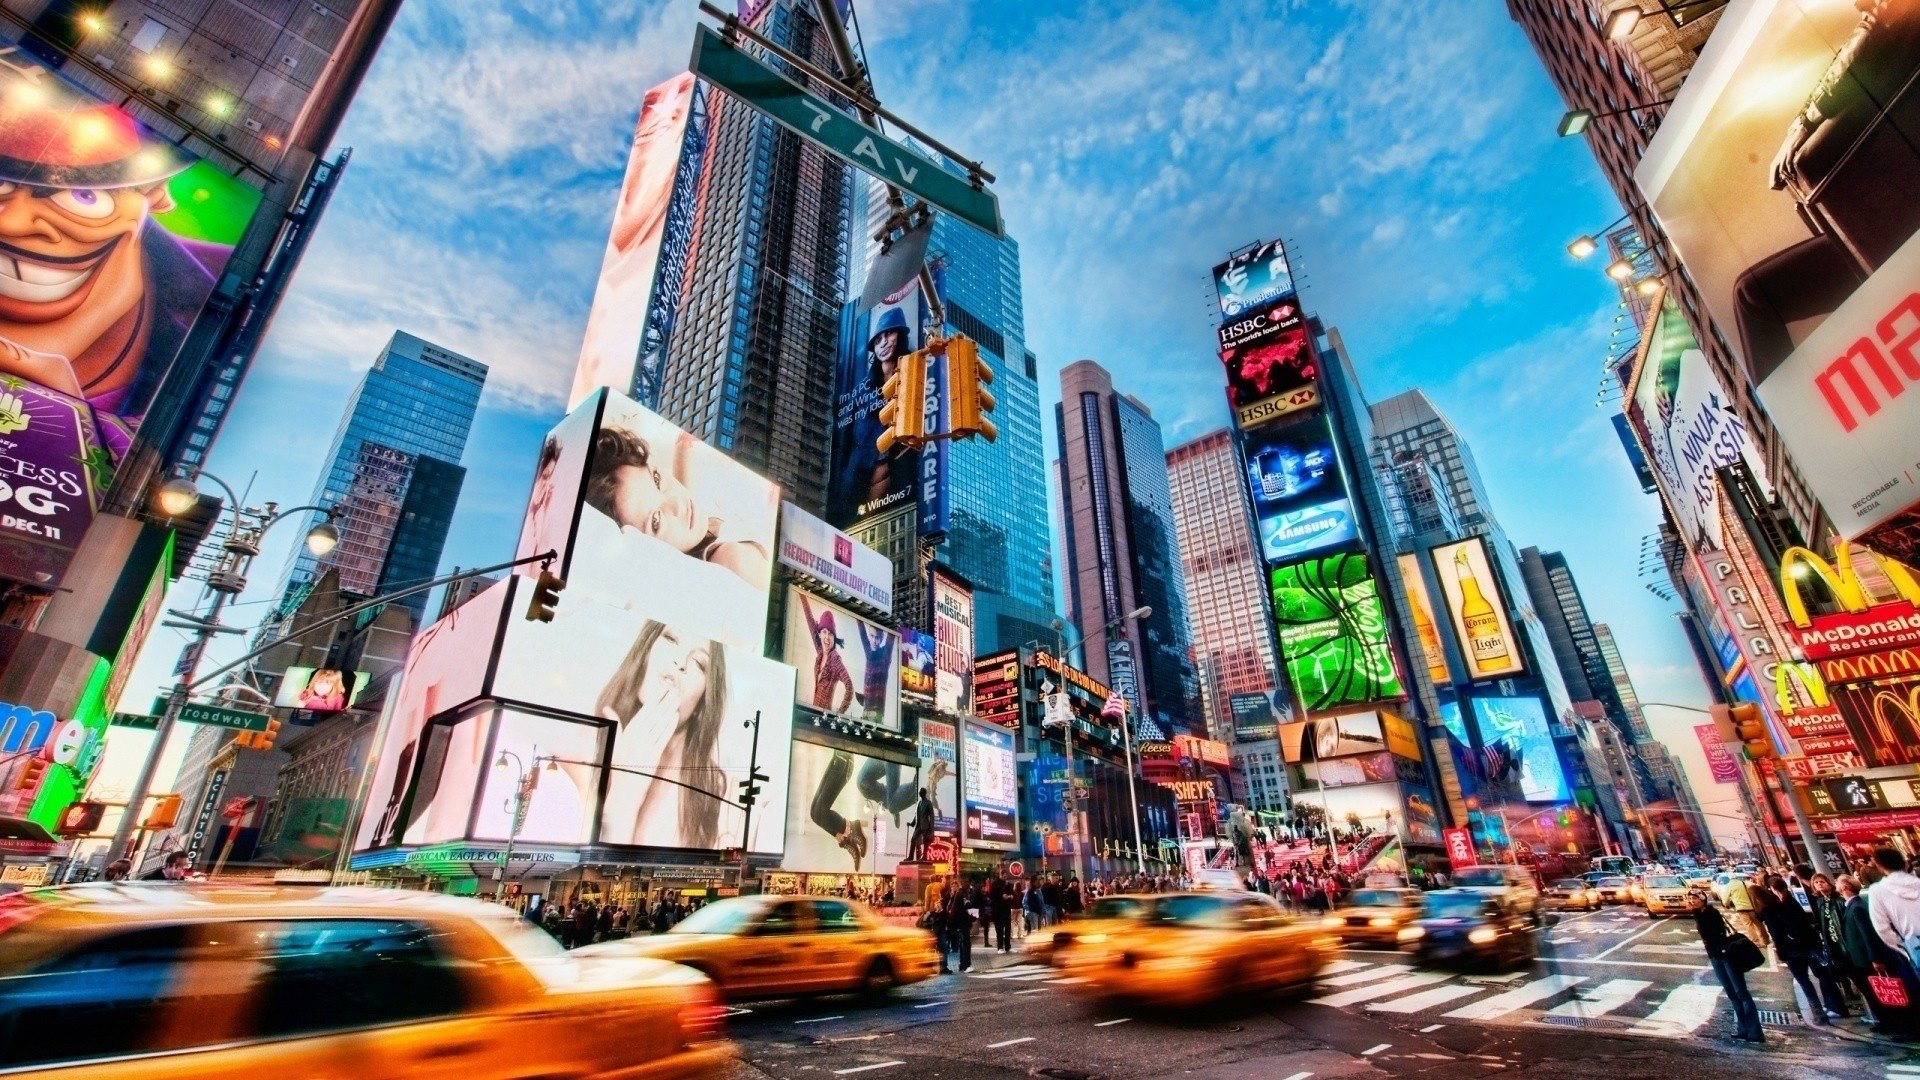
x=1887, y=989
x=1743, y=954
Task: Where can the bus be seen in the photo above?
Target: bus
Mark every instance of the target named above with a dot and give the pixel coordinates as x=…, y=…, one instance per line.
x=1618, y=865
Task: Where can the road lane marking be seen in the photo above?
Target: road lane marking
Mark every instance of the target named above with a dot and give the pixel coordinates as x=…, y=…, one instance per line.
x=1421, y=1002
x=1110, y=1023
x=1071, y=980
x=1339, y=966
x=1364, y=976
x=1032, y=978
x=1619, y=963
x=1299, y=1076
x=1374, y=1050
x=1524, y=995
x=931, y=1004
x=1015, y=973
x=820, y=1019
x=1035, y=990
x=1431, y=1028
x=867, y=1068
x=1380, y=990
x=1684, y=1010
x=1602, y=999
x=1563, y=941
x=1011, y=1042
x=1627, y=941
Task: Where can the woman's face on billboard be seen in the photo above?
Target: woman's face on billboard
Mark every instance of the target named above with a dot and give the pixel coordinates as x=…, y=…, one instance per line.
x=676, y=674
x=655, y=502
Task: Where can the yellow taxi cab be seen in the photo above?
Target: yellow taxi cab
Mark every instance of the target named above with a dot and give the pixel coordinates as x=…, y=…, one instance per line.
x=783, y=946
x=1376, y=916
x=170, y=982
x=1614, y=889
x=1571, y=894
x=1189, y=948
x=1669, y=894
x=1109, y=915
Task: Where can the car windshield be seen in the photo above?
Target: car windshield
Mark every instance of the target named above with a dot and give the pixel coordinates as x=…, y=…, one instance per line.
x=1457, y=905
x=1379, y=898
x=1612, y=882
x=1117, y=907
x=522, y=938
x=1665, y=882
x=1201, y=911
x=1481, y=877
x=724, y=917
x=1570, y=883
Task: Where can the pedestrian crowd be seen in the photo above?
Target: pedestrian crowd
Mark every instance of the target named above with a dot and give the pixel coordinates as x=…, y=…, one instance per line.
x=586, y=921
x=1852, y=946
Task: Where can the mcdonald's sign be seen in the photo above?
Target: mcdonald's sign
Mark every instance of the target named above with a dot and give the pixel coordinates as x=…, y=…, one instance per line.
x=1861, y=625
x=1892, y=663
x=1806, y=709
x=1884, y=718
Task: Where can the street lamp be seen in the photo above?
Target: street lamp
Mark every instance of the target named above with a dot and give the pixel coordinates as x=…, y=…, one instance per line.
x=528, y=779
x=226, y=580
x=1576, y=121
x=1621, y=24
x=1620, y=270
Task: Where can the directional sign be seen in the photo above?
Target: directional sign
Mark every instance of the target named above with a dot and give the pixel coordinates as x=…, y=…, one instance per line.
x=238, y=719
x=144, y=721
x=819, y=120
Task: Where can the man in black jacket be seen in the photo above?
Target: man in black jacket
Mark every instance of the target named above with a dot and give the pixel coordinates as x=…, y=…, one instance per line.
x=963, y=910
x=1717, y=938
x=1797, y=943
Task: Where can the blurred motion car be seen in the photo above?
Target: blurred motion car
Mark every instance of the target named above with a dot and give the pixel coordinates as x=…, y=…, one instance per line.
x=1614, y=890
x=1571, y=894
x=158, y=982
x=1464, y=927
x=1108, y=915
x=1375, y=916
x=1669, y=894
x=1512, y=886
x=1190, y=948
x=785, y=946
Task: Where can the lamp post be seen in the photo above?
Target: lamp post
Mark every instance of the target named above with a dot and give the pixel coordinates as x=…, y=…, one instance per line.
x=527, y=780
x=226, y=580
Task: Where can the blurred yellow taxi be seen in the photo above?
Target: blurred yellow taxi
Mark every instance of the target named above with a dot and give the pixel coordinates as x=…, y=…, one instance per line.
x=1376, y=916
x=1614, y=889
x=783, y=946
x=1191, y=948
x=1571, y=894
x=1666, y=894
x=170, y=982
x=1109, y=915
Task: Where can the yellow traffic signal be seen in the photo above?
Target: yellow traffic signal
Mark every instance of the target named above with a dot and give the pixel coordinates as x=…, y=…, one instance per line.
x=546, y=595
x=905, y=411
x=967, y=379
x=1751, y=728
x=263, y=740
x=243, y=739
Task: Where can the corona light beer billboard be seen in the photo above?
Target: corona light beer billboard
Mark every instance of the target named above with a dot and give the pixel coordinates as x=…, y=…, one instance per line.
x=1862, y=659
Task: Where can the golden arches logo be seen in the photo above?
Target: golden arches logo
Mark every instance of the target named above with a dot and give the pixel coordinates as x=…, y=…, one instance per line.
x=1909, y=710
x=1813, y=689
x=1841, y=579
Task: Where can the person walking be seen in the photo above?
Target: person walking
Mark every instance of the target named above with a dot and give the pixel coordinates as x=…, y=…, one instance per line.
x=1030, y=905
x=1796, y=941
x=934, y=917
x=1895, y=905
x=1722, y=943
x=1860, y=949
x=1742, y=915
x=1829, y=922
x=963, y=910
x=1073, y=897
x=1050, y=900
x=1002, y=904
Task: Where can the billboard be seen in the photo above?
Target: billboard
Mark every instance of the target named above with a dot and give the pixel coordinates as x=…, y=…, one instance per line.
x=1400, y=736
x=1689, y=424
x=1325, y=737
x=1269, y=361
x=916, y=661
x=1300, y=501
x=672, y=528
x=996, y=690
x=1333, y=632
x=1254, y=715
x=846, y=666
x=115, y=238
x=820, y=551
x=1253, y=277
x=864, y=483
x=611, y=354
x=952, y=608
x=1477, y=608
x=990, y=805
x=1720, y=761
x=559, y=489
x=849, y=813
x=1517, y=745
x=320, y=690
x=1425, y=627
x=940, y=772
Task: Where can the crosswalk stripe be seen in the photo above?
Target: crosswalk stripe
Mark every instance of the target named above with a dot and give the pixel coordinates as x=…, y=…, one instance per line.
x=1604, y=998
x=1013, y=974
x=1364, y=976
x=1380, y=990
x=1685, y=1009
x=1339, y=966
x=1035, y=977
x=1517, y=998
x=1439, y=995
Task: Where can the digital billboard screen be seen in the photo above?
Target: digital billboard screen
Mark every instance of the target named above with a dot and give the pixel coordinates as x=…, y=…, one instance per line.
x=940, y=772
x=996, y=690
x=1300, y=501
x=114, y=239
x=848, y=813
x=953, y=645
x=1253, y=277
x=990, y=810
x=1269, y=362
x=1333, y=632
x=1254, y=716
x=1477, y=607
x=559, y=484
x=846, y=666
x=819, y=550
x=864, y=483
x=917, y=649
x=1516, y=745
x=320, y=690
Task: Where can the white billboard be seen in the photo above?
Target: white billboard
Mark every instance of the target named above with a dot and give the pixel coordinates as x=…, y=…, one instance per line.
x=819, y=550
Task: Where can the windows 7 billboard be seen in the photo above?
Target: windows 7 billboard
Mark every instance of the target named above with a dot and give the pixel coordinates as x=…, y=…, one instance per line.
x=1299, y=496
x=1333, y=632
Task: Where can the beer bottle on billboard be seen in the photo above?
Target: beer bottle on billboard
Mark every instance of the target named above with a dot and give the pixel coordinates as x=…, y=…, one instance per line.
x=1428, y=633
x=1485, y=642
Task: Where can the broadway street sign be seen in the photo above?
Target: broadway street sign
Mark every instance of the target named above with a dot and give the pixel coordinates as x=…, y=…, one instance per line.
x=819, y=120
x=237, y=719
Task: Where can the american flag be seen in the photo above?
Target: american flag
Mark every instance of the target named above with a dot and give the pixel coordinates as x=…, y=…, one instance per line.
x=1114, y=709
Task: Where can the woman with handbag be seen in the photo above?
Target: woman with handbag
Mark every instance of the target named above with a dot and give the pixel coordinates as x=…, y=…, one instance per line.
x=1887, y=976
x=1797, y=942
x=1732, y=956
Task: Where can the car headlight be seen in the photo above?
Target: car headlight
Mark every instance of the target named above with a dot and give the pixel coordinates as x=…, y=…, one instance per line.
x=1480, y=935
x=1331, y=921
x=1380, y=920
x=1092, y=939
x=1412, y=933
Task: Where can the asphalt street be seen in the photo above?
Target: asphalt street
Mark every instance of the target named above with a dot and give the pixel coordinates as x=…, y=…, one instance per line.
x=1614, y=994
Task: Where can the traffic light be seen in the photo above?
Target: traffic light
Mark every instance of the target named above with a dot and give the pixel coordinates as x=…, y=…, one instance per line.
x=967, y=379
x=80, y=819
x=750, y=787
x=263, y=740
x=163, y=812
x=546, y=595
x=31, y=774
x=1751, y=728
x=905, y=410
x=244, y=740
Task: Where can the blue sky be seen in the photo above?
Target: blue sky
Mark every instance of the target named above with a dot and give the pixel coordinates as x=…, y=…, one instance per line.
x=1406, y=151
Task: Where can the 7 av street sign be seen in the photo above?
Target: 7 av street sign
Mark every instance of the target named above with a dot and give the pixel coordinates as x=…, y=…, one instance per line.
x=817, y=119
x=237, y=719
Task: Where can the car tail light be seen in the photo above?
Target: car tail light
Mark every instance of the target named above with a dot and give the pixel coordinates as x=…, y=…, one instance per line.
x=17, y=908
x=702, y=1015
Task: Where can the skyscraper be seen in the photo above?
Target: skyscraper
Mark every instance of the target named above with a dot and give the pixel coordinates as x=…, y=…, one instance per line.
x=393, y=476
x=1122, y=548
x=1226, y=594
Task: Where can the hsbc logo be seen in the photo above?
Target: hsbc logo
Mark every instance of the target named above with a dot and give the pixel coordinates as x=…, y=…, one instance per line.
x=1881, y=363
x=1282, y=316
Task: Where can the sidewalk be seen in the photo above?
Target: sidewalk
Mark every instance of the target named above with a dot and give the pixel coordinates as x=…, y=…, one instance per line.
x=985, y=959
